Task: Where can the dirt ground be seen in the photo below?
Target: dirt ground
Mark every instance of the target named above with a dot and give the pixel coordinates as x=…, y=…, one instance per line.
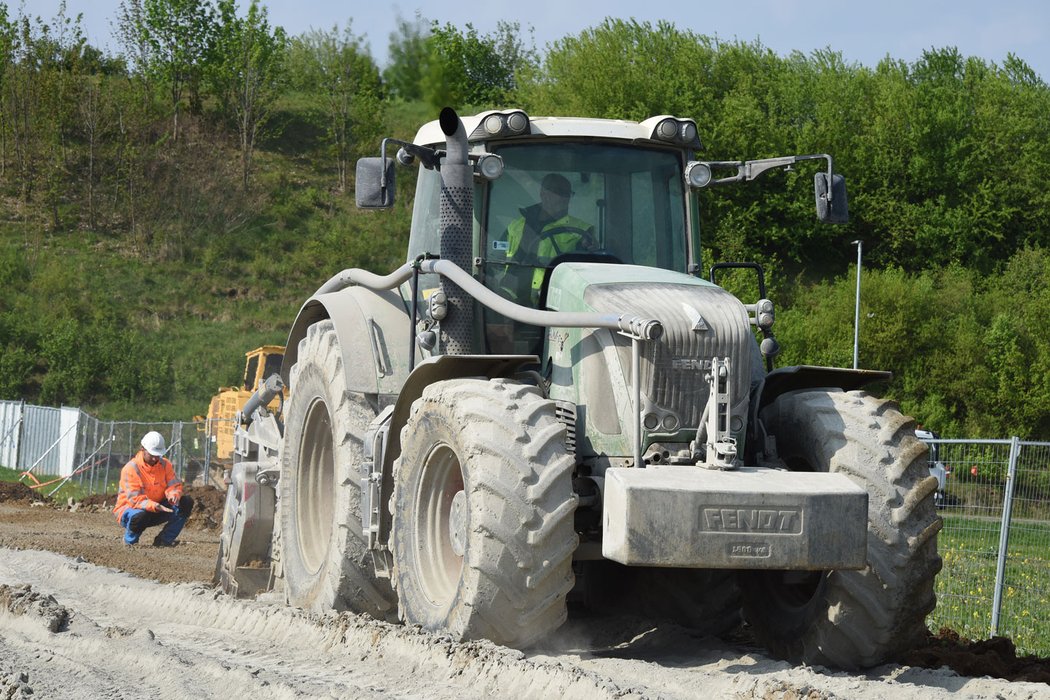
x=234, y=646
x=89, y=530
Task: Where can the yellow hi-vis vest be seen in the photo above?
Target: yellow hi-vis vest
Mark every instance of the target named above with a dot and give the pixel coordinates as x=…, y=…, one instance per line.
x=575, y=235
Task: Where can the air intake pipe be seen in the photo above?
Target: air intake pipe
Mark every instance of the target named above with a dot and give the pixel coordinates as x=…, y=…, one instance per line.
x=456, y=229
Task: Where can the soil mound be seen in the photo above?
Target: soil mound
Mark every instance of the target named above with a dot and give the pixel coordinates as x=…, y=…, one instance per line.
x=17, y=492
x=208, y=503
x=996, y=657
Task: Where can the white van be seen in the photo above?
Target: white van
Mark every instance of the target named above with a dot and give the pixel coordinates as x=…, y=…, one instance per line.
x=937, y=468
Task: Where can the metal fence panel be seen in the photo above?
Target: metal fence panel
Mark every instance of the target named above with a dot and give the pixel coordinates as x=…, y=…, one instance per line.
x=188, y=450
x=10, y=429
x=972, y=597
x=971, y=511
x=1025, y=610
x=66, y=442
x=41, y=434
x=69, y=422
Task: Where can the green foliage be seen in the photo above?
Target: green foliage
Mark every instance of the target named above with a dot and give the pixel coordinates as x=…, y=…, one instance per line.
x=245, y=69
x=623, y=69
x=336, y=66
x=135, y=270
x=177, y=35
x=408, y=51
x=969, y=353
x=466, y=68
x=445, y=66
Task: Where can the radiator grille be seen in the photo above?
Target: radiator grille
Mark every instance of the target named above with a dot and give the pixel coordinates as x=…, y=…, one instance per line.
x=671, y=380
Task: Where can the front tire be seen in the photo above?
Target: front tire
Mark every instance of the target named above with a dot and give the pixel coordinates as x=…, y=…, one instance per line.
x=853, y=619
x=483, y=513
x=324, y=556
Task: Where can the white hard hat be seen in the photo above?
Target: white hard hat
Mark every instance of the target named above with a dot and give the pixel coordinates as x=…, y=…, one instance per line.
x=153, y=442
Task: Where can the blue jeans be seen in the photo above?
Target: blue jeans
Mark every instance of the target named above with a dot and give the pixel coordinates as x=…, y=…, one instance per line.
x=135, y=521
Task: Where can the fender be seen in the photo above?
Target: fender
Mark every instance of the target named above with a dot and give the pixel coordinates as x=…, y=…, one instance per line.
x=373, y=328
x=785, y=379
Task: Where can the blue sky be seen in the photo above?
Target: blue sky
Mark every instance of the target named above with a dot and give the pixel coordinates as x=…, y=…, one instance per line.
x=863, y=31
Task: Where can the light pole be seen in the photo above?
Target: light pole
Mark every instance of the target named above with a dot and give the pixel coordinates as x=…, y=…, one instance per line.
x=856, y=309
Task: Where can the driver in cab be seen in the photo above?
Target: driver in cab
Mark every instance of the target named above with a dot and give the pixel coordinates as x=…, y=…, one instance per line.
x=546, y=230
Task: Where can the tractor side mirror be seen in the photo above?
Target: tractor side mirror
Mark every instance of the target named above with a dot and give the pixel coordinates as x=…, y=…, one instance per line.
x=834, y=209
x=375, y=183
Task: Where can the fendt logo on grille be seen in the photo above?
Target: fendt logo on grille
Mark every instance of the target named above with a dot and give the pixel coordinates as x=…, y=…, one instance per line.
x=784, y=521
x=690, y=363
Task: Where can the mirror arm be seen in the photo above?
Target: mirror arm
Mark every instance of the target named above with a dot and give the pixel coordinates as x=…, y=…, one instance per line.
x=751, y=169
x=428, y=156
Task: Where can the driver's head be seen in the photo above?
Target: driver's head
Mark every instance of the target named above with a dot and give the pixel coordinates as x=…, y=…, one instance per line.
x=555, y=193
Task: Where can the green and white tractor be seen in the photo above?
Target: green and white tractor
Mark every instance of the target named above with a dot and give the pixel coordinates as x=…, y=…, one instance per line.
x=541, y=409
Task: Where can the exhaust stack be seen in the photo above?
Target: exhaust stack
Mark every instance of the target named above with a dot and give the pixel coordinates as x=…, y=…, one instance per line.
x=456, y=229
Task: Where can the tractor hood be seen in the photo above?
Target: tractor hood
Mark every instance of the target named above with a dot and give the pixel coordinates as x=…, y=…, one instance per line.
x=571, y=280
x=591, y=367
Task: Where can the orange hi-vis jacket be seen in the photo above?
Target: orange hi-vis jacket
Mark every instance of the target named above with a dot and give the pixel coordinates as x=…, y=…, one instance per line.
x=144, y=487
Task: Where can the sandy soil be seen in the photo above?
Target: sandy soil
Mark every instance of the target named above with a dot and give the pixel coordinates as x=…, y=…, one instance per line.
x=81, y=616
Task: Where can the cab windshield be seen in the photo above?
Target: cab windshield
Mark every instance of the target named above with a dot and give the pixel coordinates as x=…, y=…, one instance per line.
x=585, y=202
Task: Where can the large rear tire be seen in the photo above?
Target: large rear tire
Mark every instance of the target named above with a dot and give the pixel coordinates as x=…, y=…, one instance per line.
x=483, y=513
x=853, y=619
x=324, y=557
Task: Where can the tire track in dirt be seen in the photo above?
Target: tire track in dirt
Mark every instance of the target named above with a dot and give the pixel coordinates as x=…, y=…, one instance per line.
x=196, y=642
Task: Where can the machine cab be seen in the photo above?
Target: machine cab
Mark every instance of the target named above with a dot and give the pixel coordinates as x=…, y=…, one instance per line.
x=583, y=190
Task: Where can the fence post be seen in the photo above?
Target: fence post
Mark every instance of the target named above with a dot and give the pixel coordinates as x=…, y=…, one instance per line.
x=207, y=451
x=109, y=453
x=21, y=435
x=176, y=459
x=1004, y=533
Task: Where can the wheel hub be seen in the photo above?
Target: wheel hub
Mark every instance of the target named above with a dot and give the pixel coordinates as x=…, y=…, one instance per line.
x=457, y=523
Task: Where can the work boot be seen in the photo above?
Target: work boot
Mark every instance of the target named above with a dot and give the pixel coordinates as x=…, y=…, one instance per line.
x=158, y=542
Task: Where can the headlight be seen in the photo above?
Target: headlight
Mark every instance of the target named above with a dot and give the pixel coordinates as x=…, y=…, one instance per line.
x=489, y=166
x=513, y=123
x=517, y=122
x=675, y=130
x=493, y=124
x=667, y=130
x=764, y=314
x=697, y=175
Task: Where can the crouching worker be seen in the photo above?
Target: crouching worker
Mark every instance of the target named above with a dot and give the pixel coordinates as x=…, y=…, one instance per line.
x=151, y=494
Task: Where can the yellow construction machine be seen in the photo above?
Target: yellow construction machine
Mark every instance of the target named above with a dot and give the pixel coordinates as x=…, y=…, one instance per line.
x=259, y=364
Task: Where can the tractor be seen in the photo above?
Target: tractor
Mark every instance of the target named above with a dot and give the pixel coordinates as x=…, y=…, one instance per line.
x=549, y=406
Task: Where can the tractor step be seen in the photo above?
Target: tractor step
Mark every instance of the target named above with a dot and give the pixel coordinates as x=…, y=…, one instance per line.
x=749, y=518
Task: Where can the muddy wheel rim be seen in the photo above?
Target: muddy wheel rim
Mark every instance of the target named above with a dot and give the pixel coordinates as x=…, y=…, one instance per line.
x=440, y=565
x=315, y=496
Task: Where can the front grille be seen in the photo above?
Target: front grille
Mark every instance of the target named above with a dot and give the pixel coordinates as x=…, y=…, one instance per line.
x=671, y=380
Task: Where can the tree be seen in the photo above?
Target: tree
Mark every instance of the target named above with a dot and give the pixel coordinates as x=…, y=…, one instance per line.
x=446, y=66
x=626, y=70
x=170, y=38
x=246, y=72
x=92, y=109
x=337, y=65
x=467, y=68
x=408, y=52
x=8, y=37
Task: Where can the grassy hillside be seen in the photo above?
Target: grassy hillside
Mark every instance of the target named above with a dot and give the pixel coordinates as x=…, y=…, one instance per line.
x=149, y=325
